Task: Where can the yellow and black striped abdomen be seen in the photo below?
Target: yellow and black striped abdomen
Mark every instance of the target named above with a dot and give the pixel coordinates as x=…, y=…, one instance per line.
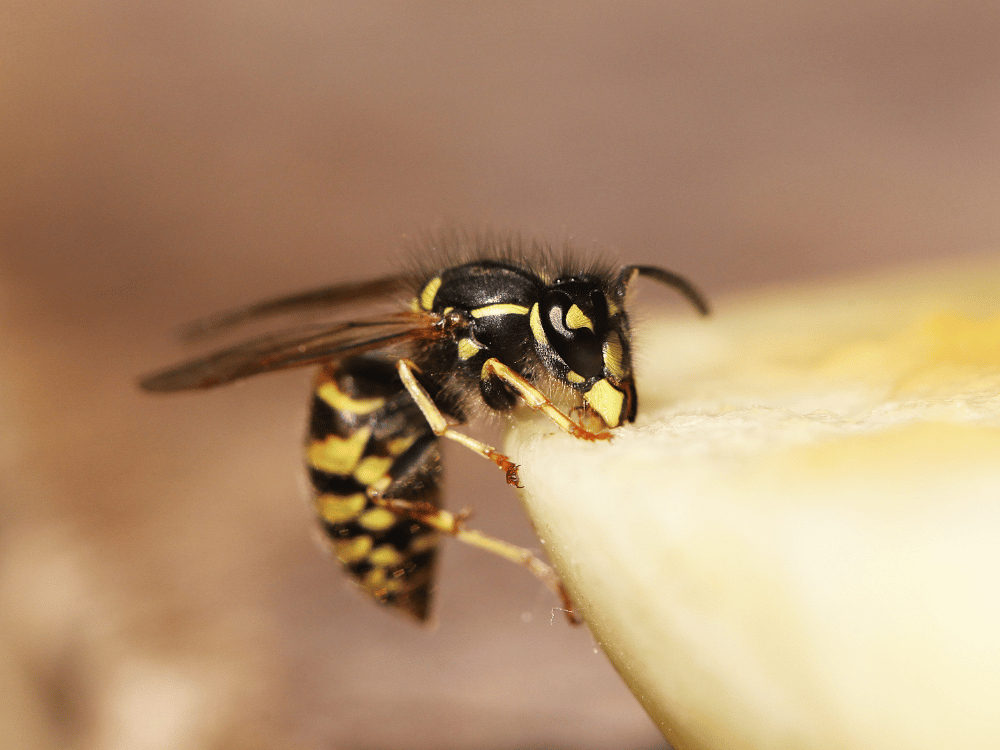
x=366, y=434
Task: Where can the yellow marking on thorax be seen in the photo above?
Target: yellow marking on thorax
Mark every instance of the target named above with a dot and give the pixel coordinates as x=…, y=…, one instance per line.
x=501, y=308
x=613, y=354
x=575, y=377
x=371, y=469
x=337, y=455
x=429, y=292
x=535, y=321
x=577, y=318
x=352, y=550
x=337, y=509
x=607, y=401
x=467, y=348
x=377, y=519
x=340, y=401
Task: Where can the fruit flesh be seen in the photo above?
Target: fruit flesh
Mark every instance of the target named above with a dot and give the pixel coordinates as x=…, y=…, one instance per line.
x=795, y=544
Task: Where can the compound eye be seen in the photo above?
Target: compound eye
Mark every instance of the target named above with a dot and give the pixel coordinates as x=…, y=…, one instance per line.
x=575, y=325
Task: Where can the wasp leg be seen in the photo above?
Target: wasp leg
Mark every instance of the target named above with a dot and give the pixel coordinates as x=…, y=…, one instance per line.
x=450, y=523
x=441, y=427
x=454, y=525
x=539, y=401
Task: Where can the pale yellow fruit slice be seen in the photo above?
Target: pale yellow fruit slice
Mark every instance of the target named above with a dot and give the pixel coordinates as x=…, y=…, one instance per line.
x=797, y=545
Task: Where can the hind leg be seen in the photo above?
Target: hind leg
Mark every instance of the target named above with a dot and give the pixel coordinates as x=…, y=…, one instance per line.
x=454, y=525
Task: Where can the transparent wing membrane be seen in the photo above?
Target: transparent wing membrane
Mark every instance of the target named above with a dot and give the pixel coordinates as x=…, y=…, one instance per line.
x=297, y=347
x=324, y=298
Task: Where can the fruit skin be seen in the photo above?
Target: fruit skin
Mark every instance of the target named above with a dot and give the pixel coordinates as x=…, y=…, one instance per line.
x=796, y=545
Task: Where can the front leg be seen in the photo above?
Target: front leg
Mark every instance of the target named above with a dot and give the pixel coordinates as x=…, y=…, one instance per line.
x=440, y=425
x=538, y=401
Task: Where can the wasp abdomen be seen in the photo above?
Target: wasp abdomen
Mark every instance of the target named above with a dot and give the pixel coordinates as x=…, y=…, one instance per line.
x=367, y=436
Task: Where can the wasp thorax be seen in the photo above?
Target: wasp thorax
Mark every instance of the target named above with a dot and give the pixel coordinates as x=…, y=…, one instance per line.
x=574, y=316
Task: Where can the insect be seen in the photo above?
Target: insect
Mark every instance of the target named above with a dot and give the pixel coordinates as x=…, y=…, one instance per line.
x=494, y=323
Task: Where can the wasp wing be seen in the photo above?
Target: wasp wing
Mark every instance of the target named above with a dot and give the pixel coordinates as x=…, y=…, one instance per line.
x=315, y=299
x=297, y=347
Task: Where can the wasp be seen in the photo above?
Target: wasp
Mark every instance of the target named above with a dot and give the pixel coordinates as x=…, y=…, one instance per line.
x=494, y=323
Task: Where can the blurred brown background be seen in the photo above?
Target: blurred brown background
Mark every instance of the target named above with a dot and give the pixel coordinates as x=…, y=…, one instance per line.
x=159, y=587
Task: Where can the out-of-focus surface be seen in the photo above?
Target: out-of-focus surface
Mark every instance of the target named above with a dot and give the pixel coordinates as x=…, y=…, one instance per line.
x=157, y=577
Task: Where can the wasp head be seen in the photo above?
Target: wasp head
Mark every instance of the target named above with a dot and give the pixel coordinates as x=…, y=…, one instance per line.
x=582, y=337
